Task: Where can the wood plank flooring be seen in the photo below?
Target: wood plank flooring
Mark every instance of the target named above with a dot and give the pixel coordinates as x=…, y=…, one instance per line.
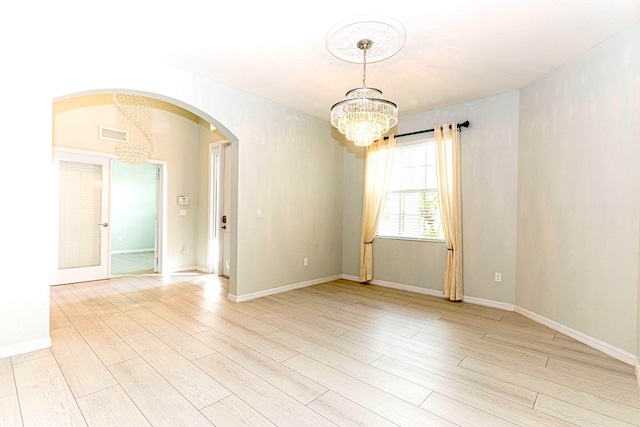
x=155, y=350
x=132, y=263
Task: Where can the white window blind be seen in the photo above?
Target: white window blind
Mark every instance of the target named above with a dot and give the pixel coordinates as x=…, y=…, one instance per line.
x=80, y=204
x=412, y=210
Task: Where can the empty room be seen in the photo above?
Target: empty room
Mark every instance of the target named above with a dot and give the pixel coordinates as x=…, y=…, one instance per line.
x=342, y=213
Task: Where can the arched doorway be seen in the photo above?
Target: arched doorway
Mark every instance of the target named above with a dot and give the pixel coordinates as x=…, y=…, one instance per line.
x=181, y=147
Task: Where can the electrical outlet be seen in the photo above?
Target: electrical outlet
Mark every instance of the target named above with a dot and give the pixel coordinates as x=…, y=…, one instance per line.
x=305, y=262
x=498, y=277
x=183, y=251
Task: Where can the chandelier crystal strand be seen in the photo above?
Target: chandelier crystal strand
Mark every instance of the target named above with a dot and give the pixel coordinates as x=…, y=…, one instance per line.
x=135, y=118
x=364, y=116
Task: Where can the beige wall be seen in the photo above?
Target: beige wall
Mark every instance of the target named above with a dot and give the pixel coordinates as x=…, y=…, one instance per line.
x=24, y=184
x=579, y=193
x=489, y=193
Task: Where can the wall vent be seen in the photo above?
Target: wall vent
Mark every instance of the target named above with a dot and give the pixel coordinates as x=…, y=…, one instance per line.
x=112, y=134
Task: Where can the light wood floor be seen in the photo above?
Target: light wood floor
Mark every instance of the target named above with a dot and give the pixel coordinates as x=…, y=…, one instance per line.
x=173, y=351
x=132, y=263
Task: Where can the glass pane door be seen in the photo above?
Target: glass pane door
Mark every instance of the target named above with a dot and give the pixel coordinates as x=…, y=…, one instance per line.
x=83, y=213
x=80, y=211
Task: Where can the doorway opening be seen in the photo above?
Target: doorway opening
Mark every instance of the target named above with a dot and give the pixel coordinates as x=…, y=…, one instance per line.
x=184, y=134
x=135, y=213
x=219, y=247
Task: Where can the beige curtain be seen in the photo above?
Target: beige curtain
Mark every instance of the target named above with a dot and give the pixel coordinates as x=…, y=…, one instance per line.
x=450, y=197
x=377, y=174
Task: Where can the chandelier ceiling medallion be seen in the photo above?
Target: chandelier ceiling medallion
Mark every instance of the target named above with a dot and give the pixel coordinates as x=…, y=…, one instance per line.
x=364, y=116
x=135, y=119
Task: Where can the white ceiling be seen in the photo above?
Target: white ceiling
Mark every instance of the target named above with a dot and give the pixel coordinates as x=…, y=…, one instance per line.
x=456, y=50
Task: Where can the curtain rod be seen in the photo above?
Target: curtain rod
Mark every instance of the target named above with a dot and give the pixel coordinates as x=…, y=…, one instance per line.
x=460, y=125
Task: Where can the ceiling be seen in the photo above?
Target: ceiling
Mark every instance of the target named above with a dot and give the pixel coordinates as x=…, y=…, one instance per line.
x=455, y=50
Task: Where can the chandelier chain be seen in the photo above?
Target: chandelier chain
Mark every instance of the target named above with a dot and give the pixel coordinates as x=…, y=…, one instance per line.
x=364, y=68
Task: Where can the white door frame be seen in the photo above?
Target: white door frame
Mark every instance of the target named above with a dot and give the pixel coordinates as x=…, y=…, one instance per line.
x=216, y=185
x=161, y=242
x=160, y=247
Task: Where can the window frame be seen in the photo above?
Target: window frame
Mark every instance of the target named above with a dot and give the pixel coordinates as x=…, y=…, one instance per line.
x=414, y=140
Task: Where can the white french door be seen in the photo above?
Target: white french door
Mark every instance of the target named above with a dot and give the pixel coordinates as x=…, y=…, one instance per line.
x=83, y=252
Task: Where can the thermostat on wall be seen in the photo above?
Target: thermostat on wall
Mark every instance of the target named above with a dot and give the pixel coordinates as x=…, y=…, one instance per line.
x=183, y=200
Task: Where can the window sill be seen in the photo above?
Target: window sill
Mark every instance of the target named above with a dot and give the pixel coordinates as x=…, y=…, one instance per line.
x=412, y=239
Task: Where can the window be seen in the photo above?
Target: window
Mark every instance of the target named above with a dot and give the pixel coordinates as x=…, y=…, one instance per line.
x=412, y=210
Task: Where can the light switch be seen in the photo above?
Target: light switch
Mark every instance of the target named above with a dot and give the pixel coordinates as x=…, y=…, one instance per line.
x=259, y=213
x=183, y=212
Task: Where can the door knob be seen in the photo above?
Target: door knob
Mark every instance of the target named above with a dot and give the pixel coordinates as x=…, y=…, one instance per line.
x=104, y=224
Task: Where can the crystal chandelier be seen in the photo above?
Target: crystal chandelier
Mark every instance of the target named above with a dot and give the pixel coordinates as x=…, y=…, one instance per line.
x=364, y=116
x=135, y=119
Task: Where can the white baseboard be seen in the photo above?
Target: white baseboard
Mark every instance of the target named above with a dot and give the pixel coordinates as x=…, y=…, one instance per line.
x=191, y=268
x=183, y=269
x=490, y=303
x=280, y=289
x=348, y=277
x=602, y=346
x=26, y=347
x=608, y=349
x=399, y=286
x=132, y=251
x=433, y=293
